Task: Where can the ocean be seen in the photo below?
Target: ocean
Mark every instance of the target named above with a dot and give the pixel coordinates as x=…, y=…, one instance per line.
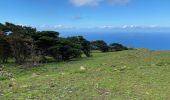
x=152, y=41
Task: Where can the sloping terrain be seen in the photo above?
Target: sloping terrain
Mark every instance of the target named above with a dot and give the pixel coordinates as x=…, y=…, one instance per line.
x=126, y=75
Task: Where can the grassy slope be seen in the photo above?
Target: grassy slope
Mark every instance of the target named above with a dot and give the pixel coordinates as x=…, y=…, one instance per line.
x=127, y=75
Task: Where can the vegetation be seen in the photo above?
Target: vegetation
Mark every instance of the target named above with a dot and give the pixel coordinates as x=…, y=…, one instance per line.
x=85, y=44
x=31, y=47
x=131, y=74
x=4, y=48
x=27, y=45
x=104, y=47
x=100, y=45
x=127, y=74
x=117, y=47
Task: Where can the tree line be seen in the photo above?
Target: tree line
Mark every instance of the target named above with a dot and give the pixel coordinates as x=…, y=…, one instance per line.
x=27, y=45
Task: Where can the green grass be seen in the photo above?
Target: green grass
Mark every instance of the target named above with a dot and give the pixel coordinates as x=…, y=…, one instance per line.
x=126, y=75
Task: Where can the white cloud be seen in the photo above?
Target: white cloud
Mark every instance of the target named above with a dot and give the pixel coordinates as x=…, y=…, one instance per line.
x=97, y=2
x=106, y=27
x=85, y=2
x=42, y=26
x=54, y=27
x=60, y=26
x=128, y=27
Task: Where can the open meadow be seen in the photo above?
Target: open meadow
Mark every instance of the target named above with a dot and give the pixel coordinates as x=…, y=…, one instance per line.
x=126, y=75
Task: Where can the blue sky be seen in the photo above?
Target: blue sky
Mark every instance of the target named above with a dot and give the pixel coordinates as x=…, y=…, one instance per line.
x=92, y=15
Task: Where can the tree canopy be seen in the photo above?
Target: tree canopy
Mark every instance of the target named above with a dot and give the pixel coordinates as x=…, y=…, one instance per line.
x=117, y=47
x=27, y=45
x=100, y=45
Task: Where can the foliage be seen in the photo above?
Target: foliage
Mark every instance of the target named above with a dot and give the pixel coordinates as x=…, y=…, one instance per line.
x=19, y=40
x=65, y=49
x=117, y=47
x=27, y=44
x=85, y=44
x=100, y=45
x=5, y=75
x=43, y=41
x=4, y=48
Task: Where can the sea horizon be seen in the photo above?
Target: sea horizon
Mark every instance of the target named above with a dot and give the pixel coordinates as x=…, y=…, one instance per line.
x=148, y=40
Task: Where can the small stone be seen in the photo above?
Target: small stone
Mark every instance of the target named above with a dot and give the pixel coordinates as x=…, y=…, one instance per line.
x=147, y=93
x=24, y=86
x=82, y=68
x=13, y=79
x=34, y=75
x=62, y=73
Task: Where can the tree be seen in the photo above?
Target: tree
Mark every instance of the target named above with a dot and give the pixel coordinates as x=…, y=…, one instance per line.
x=45, y=40
x=85, y=44
x=100, y=45
x=86, y=48
x=19, y=39
x=64, y=49
x=4, y=48
x=117, y=47
x=25, y=44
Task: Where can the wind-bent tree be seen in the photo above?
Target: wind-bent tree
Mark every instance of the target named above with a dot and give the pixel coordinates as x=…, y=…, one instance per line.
x=4, y=48
x=19, y=39
x=44, y=40
x=50, y=44
x=64, y=49
x=100, y=45
x=26, y=45
x=117, y=47
x=85, y=44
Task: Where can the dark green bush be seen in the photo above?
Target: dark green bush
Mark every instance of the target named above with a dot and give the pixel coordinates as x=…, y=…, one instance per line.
x=117, y=47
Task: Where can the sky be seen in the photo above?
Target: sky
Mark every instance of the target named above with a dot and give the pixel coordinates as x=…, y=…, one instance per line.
x=88, y=15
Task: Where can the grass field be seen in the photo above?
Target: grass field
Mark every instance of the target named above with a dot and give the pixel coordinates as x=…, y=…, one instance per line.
x=127, y=75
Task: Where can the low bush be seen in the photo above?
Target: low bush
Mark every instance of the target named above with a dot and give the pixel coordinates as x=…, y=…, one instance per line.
x=4, y=75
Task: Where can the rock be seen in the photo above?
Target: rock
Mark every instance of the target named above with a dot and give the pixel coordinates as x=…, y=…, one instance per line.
x=123, y=68
x=13, y=79
x=34, y=75
x=62, y=73
x=24, y=86
x=152, y=64
x=82, y=68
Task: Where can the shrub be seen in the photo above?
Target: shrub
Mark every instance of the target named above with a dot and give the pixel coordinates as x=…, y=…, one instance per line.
x=117, y=47
x=85, y=44
x=5, y=75
x=100, y=45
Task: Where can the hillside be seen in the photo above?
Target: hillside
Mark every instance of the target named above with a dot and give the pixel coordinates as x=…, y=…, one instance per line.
x=127, y=75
